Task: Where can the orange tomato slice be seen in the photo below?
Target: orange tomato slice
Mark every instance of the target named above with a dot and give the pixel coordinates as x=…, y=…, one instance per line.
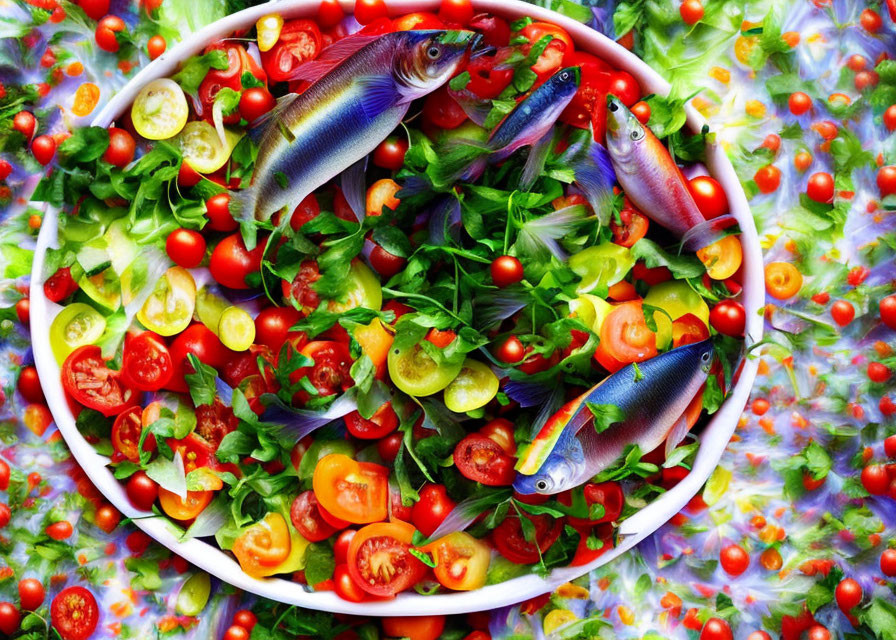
x=625, y=336
x=356, y=492
x=722, y=258
x=461, y=561
x=264, y=544
x=184, y=509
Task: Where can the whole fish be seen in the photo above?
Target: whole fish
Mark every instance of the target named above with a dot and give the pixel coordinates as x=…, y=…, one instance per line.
x=529, y=122
x=352, y=107
x=568, y=451
x=653, y=182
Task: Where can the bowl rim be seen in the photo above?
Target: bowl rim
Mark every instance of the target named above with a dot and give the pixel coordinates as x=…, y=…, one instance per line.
x=222, y=565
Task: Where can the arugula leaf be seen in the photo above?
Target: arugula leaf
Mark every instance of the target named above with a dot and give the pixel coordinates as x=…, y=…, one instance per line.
x=202, y=382
x=319, y=563
x=194, y=70
x=681, y=266
x=86, y=144
x=605, y=415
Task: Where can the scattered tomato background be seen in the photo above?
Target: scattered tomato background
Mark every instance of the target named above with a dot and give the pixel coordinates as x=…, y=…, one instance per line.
x=794, y=535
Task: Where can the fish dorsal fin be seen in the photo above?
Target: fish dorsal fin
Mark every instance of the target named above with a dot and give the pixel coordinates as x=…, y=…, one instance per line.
x=342, y=49
x=380, y=94
x=314, y=70
x=259, y=126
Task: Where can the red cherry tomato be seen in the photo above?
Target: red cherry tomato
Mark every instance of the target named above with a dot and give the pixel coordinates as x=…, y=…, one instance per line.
x=481, y=459
x=821, y=187
x=330, y=13
x=886, y=180
x=456, y=11
x=875, y=479
x=487, y=77
x=185, y=247
x=421, y=20
x=121, y=147
x=245, y=619
x=10, y=618
x=728, y=317
x=624, y=86
x=95, y=9
x=231, y=262
x=709, y=196
x=691, y=11
x=126, y=432
x=106, y=31
x=888, y=562
x=201, y=342
x=442, y=111
x=88, y=380
x=188, y=177
x=255, y=102
x=330, y=372
x=414, y=627
x=889, y=117
x=142, y=491
x=43, y=148
x=29, y=385
x=734, y=560
x=388, y=447
x=156, y=46
x=146, y=362
x=390, y=153
x=506, y=270
x=306, y=517
x=300, y=41
x=843, y=312
x=60, y=285
x=871, y=20
x=433, y=507
x=513, y=544
x=345, y=585
x=31, y=594
x=272, y=326
x=25, y=123
x=366, y=11
x=217, y=208
x=799, y=103
x=379, y=425
x=768, y=178
x=5, y=169
x=634, y=227
x=848, y=594
x=236, y=632
x=495, y=31
x=716, y=629
x=385, y=263
x=510, y=351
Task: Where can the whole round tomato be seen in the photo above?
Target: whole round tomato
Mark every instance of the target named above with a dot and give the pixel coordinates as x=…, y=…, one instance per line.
x=345, y=585
x=888, y=562
x=95, y=9
x=142, y=491
x=380, y=559
x=887, y=310
x=146, y=362
x=185, y=247
x=848, y=594
x=341, y=545
x=506, y=270
x=107, y=518
x=386, y=264
x=388, y=447
x=432, y=508
x=390, y=153
x=729, y=318
x=31, y=594
x=10, y=618
x=307, y=519
x=442, y=111
x=300, y=41
x=886, y=180
x=821, y=187
x=74, y=613
x=624, y=86
x=43, y=148
x=511, y=542
x=709, y=196
x=495, y=31
x=482, y=460
x=357, y=492
x=383, y=422
x=156, y=46
x=106, y=31
x=231, y=262
x=217, y=208
x=510, y=351
x=255, y=102
x=799, y=103
x=88, y=380
x=843, y=312
x=272, y=326
x=201, y=342
x=121, y=147
x=716, y=629
x=29, y=385
x=25, y=123
x=734, y=559
x=414, y=627
x=768, y=178
x=126, y=431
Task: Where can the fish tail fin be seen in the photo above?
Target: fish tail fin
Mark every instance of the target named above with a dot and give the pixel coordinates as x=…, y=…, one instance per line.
x=707, y=232
x=242, y=209
x=461, y=158
x=595, y=176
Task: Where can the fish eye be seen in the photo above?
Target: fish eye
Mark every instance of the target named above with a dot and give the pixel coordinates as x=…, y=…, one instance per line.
x=705, y=357
x=637, y=134
x=613, y=107
x=541, y=485
x=434, y=52
x=566, y=75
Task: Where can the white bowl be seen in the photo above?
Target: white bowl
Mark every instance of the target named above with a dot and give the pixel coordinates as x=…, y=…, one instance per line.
x=221, y=564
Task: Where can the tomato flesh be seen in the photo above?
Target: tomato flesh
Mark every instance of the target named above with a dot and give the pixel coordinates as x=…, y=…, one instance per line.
x=511, y=543
x=481, y=459
x=88, y=380
x=380, y=561
x=353, y=491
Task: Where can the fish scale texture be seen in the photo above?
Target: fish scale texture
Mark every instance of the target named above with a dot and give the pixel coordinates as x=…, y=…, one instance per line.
x=787, y=490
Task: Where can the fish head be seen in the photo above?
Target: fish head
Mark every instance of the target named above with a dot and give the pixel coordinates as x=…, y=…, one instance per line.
x=555, y=475
x=565, y=82
x=696, y=357
x=425, y=60
x=624, y=131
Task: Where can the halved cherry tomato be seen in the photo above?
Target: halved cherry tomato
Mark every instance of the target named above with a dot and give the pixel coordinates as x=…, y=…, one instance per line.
x=169, y=309
x=461, y=561
x=511, y=542
x=300, y=41
x=74, y=613
x=217, y=79
x=722, y=258
x=592, y=92
x=307, y=519
x=625, y=336
x=126, y=434
x=146, y=363
x=184, y=509
x=688, y=329
x=301, y=290
x=481, y=459
x=379, y=425
x=330, y=372
x=88, y=380
x=380, y=560
x=554, y=55
x=214, y=421
x=634, y=227
x=264, y=545
x=356, y=492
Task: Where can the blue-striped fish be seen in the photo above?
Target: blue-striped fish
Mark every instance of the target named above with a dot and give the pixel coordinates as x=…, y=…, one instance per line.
x=346, y=113
x=568, y=451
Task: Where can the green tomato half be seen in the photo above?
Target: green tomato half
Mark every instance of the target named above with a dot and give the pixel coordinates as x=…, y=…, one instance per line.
x=676, y=298
x=474, y=387
x=194, y=594
x=77, y=325
x=364, y=290
x=601, y=266
x=417, y=374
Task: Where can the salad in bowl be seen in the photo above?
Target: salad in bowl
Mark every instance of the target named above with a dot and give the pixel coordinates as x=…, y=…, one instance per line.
x=388, y=303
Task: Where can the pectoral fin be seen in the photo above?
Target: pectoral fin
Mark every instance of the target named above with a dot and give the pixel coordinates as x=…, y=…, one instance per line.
x=379, y=94
x=684, y=423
